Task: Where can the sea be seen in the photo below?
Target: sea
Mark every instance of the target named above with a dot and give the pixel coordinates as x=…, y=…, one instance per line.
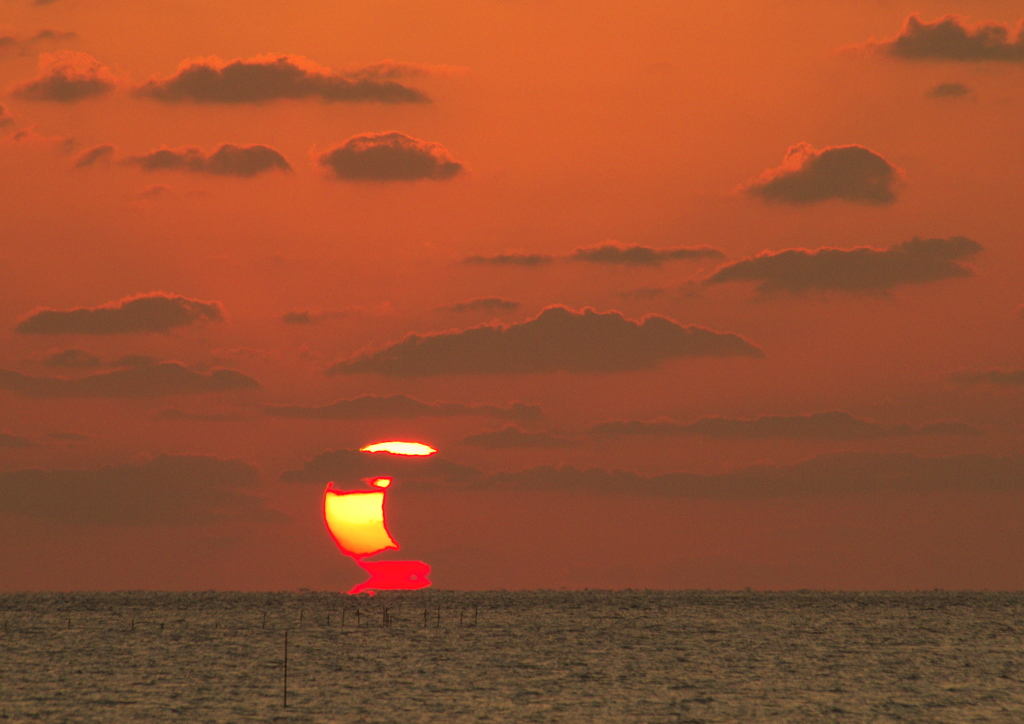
x=523, y=656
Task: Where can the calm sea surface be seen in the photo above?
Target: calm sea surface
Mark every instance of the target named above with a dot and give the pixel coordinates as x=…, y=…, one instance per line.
x=544, y=656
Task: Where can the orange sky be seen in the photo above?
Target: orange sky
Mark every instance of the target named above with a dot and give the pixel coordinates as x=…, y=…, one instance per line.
x=820, y=401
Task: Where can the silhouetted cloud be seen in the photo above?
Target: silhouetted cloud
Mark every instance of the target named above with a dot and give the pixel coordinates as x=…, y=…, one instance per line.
x=634, y=255
x=13, y=441
x=389, y=156
x=68, y=436
x=951, y=38
x=103, y=152
x=6, y=118
x=370, y=407
x=227, y=160
x=147, y=380
x=833, y=425
x=806, y=176
x=559, y=339
x=511, y=437
x=350, y=465
x=511, y=259
x=75, y=358
x=66, y=77
x=153, y=312
x=1002, y=378
x=607, y=253
x=307, y=316
x=274, y=77
x=862, y=269
x=182, y=416
x=949, y=90
x=835, y=474
x=178, y=490
x=484, y=304
x=24, y=45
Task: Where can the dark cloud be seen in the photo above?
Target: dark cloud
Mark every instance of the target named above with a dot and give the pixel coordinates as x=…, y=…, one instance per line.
x=634, y=255
x=949, y=90
x=68, y=436
x=67, y=77
x=151, y=380
x=834, y=425
x=511, y=437
x=182, y=416
x=371, y=407
x=176, y=490
x=807, y=176
x=511, y=259
x=227, y=160
x=24, y=45
x=274, y=77
x=1001, y=378
x=350, y=466
x=835, y=474
x=951, y=38
x=306, y=316
x=6, y=118
x=608, y=253
x=51, y=34
x=75, y=358
x=13, y=441
x=485, y=304
x=559, y=339
x=153, y=312
x=863, y=269
x=389, y=157
x=87, y=158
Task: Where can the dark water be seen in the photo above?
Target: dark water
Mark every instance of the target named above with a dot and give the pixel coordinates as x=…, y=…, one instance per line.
x=528, y=656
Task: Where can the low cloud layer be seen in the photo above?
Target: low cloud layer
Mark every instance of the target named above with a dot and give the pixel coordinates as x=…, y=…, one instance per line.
x=635, y=255
x=611, y=253
x=848, y=473
x=513, y=438
x=833, y=425
x=144, y=380
x=400, y=407
x=848, y=173
x=6, y=118
x=176, y=490
x=72, y=358
x=66, y=77
x=863, y=269
x=94, y=155
x=952, y=38
x=484, y=304
x=305, y=316
x=1001, y=378
x=559, y=339
x=153, y=312
x=274, y=77
x=227, y=160
x=949, y=90
x=389, y=157
x=14, y=442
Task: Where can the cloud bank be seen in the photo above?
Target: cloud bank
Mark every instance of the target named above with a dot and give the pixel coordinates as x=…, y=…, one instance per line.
x=90, y=157
x=6, y=118
x=177, y=490
x=73, y=358
x=66, y=77
x=807, y=176
x=949, y=90
x=227, y=160
x=611, y=253
x=144, y=380
x=1001, y=378
x=952, y=38
x=558, y=339
x=832, y=425
x=863, y=269
x=400, y=407
x=153, y=312
x=267, y=78
x=389, y=156
x=484, y=304
x=836, y=474
x=511, y=437
x=14, y=442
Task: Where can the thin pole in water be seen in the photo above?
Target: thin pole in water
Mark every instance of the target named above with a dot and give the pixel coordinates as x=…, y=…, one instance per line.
x=439, y=617
x=286, y=668
x=424, y=618
x=460, y=617
x=300, y=617
x=264, y=619
x=69, y=624
x=474, y=614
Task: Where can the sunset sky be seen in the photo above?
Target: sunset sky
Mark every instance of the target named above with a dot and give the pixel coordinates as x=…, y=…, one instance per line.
x=686, y=295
